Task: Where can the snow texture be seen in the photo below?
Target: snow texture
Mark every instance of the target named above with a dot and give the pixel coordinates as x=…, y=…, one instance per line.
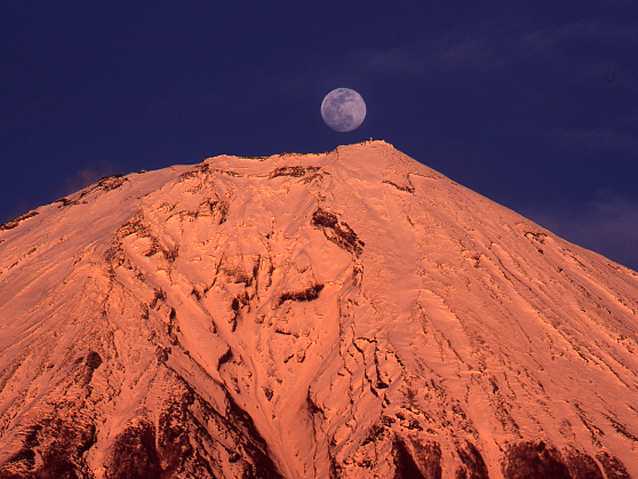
x=350, y=314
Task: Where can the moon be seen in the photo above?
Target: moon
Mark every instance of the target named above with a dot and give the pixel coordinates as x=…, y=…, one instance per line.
x=343, y=110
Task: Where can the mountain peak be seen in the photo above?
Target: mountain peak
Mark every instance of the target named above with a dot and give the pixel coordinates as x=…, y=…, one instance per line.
x=370, y=144
x=351, y=313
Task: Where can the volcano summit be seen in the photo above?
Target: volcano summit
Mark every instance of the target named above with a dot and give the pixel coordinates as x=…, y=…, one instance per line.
x=350, y=314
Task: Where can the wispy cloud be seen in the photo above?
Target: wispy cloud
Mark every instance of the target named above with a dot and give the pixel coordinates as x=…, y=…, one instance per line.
x=607, y=224
x=75, y=182
x=404, y=60
x=445, y=53
x=473, y=52
x=595, y=139
x=488, y=47
x=86, y=176
x=583, y=31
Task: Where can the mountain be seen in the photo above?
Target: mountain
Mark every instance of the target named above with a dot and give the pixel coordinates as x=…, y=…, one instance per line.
x=350, y=314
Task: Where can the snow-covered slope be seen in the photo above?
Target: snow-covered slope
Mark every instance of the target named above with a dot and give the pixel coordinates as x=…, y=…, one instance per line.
x=345, y=314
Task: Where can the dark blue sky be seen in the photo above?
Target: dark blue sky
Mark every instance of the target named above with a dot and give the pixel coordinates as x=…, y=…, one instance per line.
x=534, y=104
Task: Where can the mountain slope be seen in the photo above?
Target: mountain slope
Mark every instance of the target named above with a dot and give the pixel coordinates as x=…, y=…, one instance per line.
x=346, y=314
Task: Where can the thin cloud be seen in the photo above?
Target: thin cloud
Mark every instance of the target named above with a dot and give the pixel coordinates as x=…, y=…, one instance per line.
x=474, y=52
x=551, y=38
x=595, y=140
x=488, y=47
x=408, y=60
x=87, y=176
x=78, y=180
x=449, y=52
x=608, y=224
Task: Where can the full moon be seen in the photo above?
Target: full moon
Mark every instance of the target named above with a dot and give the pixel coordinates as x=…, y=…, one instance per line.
x=343, y=110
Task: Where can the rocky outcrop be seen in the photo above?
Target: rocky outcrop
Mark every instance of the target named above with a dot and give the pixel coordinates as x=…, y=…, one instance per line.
x=9, y=225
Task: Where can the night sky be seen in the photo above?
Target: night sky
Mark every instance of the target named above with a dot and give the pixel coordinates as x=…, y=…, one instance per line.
x=533, y=104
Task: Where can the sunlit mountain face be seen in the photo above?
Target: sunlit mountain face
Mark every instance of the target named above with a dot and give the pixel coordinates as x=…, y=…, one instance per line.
x=349, y=314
